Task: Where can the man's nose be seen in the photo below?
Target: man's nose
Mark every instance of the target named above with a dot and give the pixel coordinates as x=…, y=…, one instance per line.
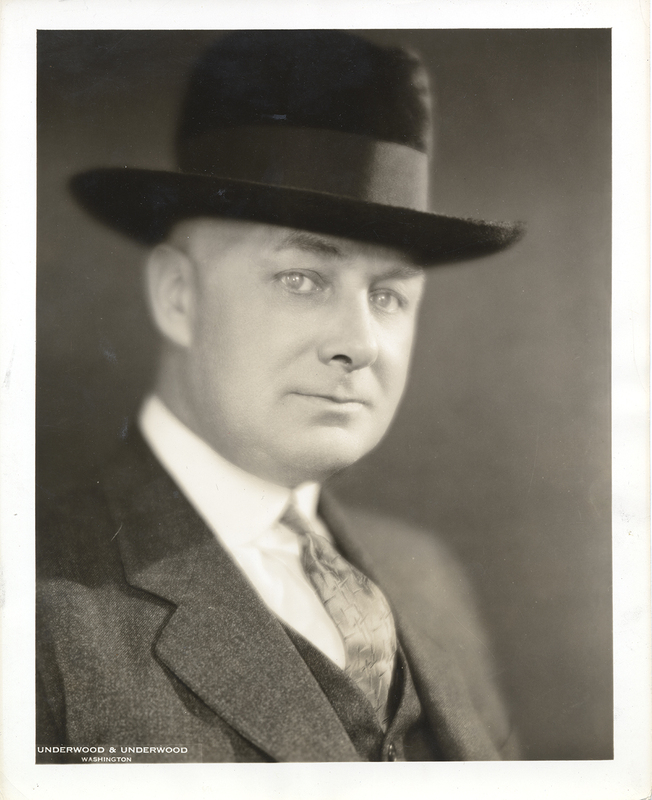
x=350, y=338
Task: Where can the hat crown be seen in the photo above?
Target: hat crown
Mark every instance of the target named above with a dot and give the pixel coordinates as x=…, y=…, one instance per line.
x=328, y=80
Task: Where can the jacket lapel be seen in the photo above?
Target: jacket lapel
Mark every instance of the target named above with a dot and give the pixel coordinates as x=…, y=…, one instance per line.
x=221, y=640
x=444, y=695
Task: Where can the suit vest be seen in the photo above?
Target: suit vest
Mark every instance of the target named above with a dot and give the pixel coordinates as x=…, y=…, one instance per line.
x=408, y=736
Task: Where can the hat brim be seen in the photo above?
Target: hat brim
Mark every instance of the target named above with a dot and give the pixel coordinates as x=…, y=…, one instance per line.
x=145, y=204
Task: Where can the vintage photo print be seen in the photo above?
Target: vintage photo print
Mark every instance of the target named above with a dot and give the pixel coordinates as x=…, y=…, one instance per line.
x=503, y=433
x=323, y=306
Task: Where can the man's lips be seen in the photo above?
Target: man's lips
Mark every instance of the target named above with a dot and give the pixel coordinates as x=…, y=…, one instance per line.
x=337, y=398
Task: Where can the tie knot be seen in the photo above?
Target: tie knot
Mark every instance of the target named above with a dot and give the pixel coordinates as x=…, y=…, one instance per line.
x=295, y=521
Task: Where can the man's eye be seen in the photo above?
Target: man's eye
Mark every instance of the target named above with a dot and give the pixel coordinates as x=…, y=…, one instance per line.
x=298, y=282
x=386, y=301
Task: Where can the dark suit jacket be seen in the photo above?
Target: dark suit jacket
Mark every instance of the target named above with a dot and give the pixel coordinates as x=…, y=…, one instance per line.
x=149, y=634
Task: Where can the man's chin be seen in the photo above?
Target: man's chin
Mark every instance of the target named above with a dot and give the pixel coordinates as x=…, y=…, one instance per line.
x=326, y=454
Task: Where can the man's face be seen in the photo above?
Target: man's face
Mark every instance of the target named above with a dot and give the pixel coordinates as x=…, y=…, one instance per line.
x=299, y=345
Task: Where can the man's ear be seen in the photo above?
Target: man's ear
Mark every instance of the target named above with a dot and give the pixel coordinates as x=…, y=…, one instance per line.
x=170, y=283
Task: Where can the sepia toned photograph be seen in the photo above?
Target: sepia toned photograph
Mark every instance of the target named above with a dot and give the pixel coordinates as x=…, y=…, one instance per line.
x=323, y=396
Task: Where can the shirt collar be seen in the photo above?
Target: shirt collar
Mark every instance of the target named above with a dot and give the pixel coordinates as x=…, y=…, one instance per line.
x=236, y=505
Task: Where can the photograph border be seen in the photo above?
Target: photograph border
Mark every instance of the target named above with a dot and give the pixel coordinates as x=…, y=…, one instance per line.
x=628, y=774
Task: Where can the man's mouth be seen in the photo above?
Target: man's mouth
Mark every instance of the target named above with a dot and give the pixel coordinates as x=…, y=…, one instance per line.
x=336, y=397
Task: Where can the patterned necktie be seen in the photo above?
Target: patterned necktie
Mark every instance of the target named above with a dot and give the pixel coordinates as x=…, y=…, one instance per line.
x=357, y=607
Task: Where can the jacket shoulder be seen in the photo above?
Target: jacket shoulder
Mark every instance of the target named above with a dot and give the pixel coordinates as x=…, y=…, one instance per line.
x=414, y=557
x=74, y=536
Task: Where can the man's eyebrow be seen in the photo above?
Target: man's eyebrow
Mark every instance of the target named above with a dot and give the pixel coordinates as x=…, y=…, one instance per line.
x=310, y=243
x=403, y=271
x=313, y=243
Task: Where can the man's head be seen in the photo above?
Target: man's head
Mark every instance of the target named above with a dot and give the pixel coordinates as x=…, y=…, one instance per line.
x=287, y=351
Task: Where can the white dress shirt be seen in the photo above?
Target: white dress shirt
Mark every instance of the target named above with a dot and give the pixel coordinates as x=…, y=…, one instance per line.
x=243, y=512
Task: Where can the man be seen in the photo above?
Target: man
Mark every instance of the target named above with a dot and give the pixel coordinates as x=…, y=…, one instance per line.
x=203, y=593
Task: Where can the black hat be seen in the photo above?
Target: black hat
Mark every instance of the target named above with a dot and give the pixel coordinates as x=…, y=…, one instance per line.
x=317, y=130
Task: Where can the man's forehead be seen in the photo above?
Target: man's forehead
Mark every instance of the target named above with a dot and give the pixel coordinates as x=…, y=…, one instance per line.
x=210, y=231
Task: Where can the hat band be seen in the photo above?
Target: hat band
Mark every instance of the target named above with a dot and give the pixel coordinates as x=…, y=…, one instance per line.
x=344, y=164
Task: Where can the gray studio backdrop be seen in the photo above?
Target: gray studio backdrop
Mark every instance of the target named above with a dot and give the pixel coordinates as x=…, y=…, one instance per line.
x=502, y=442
